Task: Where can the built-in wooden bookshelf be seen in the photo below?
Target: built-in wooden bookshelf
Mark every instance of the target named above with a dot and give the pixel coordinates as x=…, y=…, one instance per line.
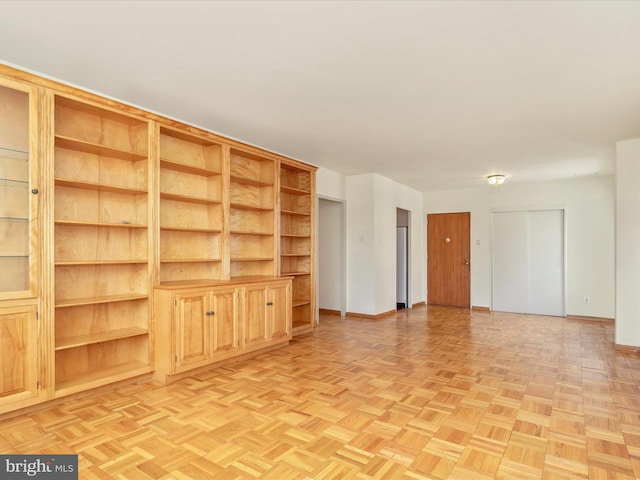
x=139, y=214
x=191, y=217
x=297, y=208
x=101, y=246
x=252, y=215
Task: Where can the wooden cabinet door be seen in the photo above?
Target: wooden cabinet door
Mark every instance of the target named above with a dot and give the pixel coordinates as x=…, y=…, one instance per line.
x=255, y=316
x=18, y=355
x=225, y=321
x=19, y=248
x=279, y=311
x=192, y=328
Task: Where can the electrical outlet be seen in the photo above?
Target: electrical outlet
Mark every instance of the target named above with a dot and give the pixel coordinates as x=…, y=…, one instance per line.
x=587, y=299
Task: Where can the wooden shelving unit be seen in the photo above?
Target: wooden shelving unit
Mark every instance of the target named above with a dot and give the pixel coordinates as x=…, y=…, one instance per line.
x=125, y=234
x=101, y=246
x=252, y=215
x=297, y=214
x=191, y=217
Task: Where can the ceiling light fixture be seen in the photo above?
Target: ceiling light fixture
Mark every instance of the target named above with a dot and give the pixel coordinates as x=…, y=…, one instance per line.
x=495, y=180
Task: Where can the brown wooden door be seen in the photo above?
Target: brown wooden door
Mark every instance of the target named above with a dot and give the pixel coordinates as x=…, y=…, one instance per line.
x=448, y=259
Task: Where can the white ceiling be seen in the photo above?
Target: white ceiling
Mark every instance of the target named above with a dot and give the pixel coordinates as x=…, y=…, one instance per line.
x=434, y=95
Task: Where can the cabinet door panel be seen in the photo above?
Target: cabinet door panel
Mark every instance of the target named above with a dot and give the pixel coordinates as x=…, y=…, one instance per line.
x=18, y=354
x=192, y=325
x=18, y=179
x=255, y=327
x=225, y=321
x=280, y=312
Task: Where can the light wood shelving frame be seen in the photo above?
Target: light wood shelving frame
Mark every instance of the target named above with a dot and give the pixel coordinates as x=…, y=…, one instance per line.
x=126, y=203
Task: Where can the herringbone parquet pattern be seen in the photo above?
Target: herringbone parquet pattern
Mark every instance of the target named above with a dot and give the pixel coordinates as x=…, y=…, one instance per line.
x=431, y=393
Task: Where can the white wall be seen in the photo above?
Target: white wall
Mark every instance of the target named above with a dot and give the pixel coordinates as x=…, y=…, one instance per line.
x=388, y=197
x=330, y=184
x=589, y=221
x=627, y=243
x=371, y=202
x=361, y=291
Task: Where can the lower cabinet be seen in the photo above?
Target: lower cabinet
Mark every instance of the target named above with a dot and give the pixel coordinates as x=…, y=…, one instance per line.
x=267, y=315
x=19, y=351
x=199, y=325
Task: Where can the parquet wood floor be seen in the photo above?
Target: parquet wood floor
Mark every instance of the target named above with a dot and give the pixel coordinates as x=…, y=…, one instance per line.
x=430, y=393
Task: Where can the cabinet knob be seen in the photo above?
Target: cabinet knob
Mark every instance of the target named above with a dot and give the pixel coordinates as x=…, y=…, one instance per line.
x=34, y=191
x=207, y=313
x=269, y=304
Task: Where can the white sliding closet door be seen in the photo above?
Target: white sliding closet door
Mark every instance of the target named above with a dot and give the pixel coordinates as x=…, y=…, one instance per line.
x=528, y=262
x=509, y=252
x=546, y=262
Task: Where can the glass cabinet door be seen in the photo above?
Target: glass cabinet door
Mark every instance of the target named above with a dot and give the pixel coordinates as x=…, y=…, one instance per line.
x=16, y=202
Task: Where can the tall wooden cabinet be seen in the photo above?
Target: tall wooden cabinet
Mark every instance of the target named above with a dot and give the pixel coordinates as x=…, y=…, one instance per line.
x=23, y=346
x=134, y=245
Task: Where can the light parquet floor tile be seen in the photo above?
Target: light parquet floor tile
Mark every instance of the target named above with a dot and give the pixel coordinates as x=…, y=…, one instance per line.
x=431, y=393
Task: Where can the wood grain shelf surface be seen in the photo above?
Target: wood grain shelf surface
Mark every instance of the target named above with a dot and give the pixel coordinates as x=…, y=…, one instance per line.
x=100, y=187
x=298, y=302
x=245, y=206
x=97, y=149
x=295, y=212
x=188, y=198
x=293, y=235
x=101, y=262
x=239, y=232
x=190, y=260
x=75, y=302
x=251, y=259
x=250, y=181
x=190, y=229
x=78, y=223
x=184, y=168
x=293, y=190
x=99, y=337
x=101, y=377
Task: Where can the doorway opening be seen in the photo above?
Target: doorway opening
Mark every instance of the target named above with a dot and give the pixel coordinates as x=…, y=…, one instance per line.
x=402, y=258
x=331, y=266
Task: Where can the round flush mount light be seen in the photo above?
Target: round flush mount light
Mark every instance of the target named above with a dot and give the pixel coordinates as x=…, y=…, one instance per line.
x=495, y=180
